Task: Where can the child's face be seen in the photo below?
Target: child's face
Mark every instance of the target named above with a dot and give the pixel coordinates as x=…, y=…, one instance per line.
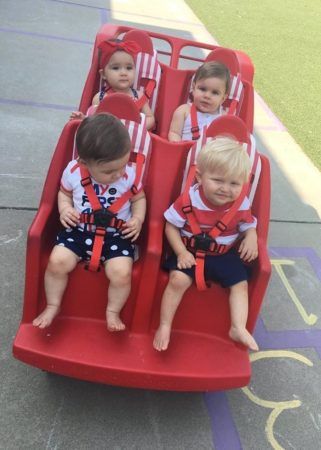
x=120, y=71
x=219, y=189
x=107, y=172
x=209, y=94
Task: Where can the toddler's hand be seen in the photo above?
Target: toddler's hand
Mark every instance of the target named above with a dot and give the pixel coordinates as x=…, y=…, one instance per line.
x=248, y=248
x=77, y=115
x=185, y=260
x=131, y=228
x=69, y=217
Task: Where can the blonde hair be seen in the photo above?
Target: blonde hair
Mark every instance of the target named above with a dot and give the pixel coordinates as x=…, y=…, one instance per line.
x=225, y=155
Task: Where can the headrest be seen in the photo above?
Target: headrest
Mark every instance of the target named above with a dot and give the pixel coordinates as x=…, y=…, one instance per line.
x=142, y=38
x=120, y=105
x=231, y=126
x=225, y=56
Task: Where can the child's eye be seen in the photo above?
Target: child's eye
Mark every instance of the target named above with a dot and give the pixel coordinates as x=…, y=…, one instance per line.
x=215, y=93
x=129, y=67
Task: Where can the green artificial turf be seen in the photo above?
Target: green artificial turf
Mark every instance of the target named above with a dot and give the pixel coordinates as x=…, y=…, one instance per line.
x=283, y=39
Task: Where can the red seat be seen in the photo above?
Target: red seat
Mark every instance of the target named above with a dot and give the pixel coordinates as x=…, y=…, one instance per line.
x=201, y=356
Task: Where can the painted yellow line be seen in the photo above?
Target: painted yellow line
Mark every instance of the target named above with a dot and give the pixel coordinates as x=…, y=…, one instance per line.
x=309, y=319
x=277, y=407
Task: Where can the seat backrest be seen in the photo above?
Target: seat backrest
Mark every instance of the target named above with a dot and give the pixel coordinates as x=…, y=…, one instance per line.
x=234, y=127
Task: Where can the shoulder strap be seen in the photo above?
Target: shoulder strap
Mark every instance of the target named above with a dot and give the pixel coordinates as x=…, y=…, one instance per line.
x=117, y=205
x=222, y=224
x=148, y=91
x=194, y=123
x=89, y=188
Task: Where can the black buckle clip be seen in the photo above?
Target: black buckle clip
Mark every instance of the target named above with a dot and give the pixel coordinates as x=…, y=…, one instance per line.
x=103, y=217
x=202, y=241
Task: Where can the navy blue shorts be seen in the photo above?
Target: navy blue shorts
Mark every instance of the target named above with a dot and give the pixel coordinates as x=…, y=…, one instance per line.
x=81, y=243
x=227, y=269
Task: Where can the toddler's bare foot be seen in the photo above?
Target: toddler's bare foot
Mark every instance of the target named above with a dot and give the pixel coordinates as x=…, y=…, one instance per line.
x=244, y=337
x=113, y=321
x=162, y=337
x=46, y=317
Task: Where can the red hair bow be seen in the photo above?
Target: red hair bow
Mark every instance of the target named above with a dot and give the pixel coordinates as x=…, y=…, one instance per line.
x=108, y=48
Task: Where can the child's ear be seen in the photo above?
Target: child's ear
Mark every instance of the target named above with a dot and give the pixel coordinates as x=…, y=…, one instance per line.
x=82, y=161
x=225, y=97
x=101, y=73
x=198, y=176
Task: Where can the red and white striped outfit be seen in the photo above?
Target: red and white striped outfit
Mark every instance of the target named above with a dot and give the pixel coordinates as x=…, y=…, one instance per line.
x=207, y=215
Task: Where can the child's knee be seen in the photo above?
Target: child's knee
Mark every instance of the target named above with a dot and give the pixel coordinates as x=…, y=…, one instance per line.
x=241, y=287
x=61, y=262
x=119, y=273
x=179, y=280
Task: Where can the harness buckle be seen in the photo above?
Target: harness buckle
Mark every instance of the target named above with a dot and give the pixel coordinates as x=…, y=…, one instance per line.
x=202, y=241
x=220, y=225
x=85, y=181
x=103, y=217
x=134, y=189
x=195, y=129
x=187, y=209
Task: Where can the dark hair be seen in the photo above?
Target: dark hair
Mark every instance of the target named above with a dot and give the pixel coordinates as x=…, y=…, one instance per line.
x=213, y=69
x=102, y=137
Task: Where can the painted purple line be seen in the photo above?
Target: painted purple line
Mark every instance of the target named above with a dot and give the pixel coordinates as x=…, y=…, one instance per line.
x=299, y=252
x=82, y=5
x=291, y=338
x=286, y=339
x=104, y=16
x=279, y=125
x=45, y=36
x=37, y=104
x=224, y=432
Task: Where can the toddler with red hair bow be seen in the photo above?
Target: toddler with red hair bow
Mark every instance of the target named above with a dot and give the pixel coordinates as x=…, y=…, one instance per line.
x=117, y=70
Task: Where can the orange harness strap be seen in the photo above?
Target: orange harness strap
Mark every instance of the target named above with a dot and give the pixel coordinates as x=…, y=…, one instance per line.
x=195, y=130
x=105, y=217
x=148, y=91
x=205, y=243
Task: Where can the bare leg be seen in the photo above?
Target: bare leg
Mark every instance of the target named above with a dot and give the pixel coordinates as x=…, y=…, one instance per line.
x=239, y=312
x=119, y=272
x=61, y=262
x=178, y=283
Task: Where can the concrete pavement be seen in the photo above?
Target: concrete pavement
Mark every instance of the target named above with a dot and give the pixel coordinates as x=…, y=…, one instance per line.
x=46, y=51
